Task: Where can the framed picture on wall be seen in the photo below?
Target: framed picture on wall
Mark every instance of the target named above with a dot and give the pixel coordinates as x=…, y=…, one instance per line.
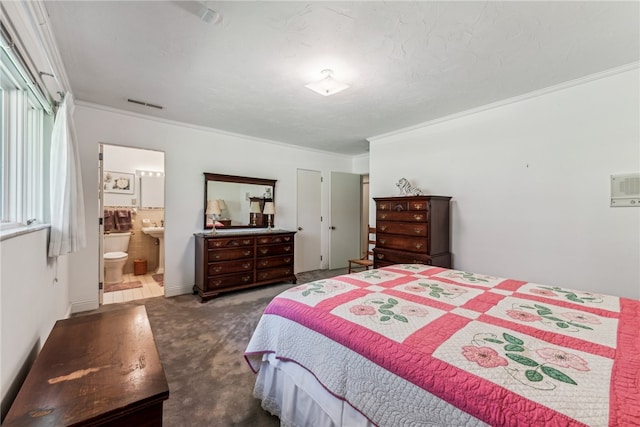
x=118, y=182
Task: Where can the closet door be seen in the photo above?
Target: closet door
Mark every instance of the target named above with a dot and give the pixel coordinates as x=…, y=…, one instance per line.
x=309, y=226
x=344, y=221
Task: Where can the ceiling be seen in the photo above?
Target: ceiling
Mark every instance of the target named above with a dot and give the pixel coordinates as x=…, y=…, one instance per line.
x=406, y=62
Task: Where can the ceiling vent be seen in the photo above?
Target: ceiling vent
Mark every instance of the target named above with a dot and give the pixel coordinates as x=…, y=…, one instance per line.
x=146, y=104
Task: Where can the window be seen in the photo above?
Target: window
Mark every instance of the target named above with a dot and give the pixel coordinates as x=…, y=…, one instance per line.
x=23, y=145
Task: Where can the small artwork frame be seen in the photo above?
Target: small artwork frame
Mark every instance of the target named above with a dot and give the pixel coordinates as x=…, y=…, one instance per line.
x=118, y=182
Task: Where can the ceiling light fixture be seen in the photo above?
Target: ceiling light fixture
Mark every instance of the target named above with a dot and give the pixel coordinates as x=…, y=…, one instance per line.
x=328, y=85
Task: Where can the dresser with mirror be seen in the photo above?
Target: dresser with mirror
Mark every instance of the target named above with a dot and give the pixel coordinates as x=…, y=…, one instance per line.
x=240, y=247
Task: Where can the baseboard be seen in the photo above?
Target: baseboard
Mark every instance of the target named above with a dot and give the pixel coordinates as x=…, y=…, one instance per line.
x=172, y=291
x=86, y=305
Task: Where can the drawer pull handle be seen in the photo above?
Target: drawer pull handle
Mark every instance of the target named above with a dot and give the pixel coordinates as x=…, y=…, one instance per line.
x=217, y=282
x=264, y=251
x=246, y=266
x=217, y=269
x=234, y=243
x=287, y=248
x=418, y=206
x=264, y=240
x=246, y=278
x=217, y=256
x=417, y=217
x=383, y=241
x=383, y=216
x=246, y=242
x=287, y=259
x=217, y=244
x=399, y=208
x=383, y=228
x=246, y=253
x=286, y=239
x=418, y=230
x=418, y=245
x=380, y=256
x=264, y=263
x=277, y=240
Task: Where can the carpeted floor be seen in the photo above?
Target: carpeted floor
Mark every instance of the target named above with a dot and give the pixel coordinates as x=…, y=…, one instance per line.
x=201, y=346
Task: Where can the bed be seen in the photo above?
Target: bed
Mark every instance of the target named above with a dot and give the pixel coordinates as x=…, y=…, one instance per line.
x=415, y=345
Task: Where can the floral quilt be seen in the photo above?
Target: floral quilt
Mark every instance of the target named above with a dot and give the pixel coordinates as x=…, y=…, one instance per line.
x=505, y=352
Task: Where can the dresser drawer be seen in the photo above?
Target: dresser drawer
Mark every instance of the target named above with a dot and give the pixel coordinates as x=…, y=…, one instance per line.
x=229, y=254
x=384, y=257
x=402, y=205
x=274, y=273
x=229, y=243
x=403, y=243
x=406, y=229
x=230, y=280
x=268, y=240
x=218, y=268
x=263, y=251
x=275, y=261
x=407, y=216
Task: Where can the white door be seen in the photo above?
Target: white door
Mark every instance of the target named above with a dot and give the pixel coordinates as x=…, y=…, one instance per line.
x=308, y=237
x=100, y=226
x=344, y=223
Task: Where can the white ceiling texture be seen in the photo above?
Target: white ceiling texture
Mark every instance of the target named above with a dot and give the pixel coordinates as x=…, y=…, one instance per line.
x=407, y=63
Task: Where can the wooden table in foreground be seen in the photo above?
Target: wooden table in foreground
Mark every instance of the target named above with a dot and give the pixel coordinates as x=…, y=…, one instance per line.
x=95, y=370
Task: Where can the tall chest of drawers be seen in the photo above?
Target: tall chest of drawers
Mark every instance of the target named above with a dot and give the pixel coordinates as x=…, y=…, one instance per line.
x=229, y=261
x=412, y=230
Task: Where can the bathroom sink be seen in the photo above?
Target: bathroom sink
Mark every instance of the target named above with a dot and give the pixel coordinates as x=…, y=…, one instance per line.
x=157, y=232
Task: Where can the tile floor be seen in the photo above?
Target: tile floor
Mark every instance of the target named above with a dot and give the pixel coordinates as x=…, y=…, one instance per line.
x=149, y=289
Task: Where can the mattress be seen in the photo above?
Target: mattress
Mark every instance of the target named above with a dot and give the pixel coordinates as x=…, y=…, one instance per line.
x=418, y=345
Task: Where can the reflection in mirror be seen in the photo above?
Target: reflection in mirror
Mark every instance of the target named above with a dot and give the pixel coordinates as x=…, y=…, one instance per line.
x=228, y=201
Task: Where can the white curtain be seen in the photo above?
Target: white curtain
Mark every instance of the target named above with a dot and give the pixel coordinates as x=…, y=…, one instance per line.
x=67, y=203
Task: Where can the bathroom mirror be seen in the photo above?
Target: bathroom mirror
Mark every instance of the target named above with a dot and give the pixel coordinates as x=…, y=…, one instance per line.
x=239, y=199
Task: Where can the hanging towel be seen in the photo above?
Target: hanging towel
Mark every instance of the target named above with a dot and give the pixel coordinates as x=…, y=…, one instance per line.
x=109, y=222
x=123, y=220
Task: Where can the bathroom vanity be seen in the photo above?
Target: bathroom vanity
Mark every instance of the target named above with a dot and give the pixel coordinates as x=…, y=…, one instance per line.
x=242, y=258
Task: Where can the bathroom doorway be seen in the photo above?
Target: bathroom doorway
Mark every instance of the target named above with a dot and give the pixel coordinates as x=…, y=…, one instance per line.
x=131, y=226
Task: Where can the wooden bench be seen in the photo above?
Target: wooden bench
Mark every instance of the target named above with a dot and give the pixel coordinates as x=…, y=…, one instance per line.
x=95, y=370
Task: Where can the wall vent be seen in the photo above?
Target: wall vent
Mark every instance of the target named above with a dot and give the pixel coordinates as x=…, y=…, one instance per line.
x=625, y=190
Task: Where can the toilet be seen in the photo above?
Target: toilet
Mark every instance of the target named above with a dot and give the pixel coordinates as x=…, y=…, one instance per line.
x=115, y=256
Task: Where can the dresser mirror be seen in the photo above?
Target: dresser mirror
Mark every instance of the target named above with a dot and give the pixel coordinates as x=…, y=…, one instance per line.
x=237, y=201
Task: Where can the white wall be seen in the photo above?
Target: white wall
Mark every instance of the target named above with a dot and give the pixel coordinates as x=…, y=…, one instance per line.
x=34, y=293
x=189, y=151
x=530, y=184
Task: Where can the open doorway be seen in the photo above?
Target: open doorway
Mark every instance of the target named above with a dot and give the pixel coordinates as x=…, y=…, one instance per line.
x=131, y=254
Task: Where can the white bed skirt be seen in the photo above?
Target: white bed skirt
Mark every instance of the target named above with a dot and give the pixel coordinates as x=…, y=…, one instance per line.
x=292, y=393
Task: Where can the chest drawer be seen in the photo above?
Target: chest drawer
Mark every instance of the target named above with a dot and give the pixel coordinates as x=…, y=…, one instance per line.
x=407, y=216
x=402, y=205
x=229, y=254
x=404, y=228
x=403, y=243
x=269, y=250
x=274, y=261
x=218, y=268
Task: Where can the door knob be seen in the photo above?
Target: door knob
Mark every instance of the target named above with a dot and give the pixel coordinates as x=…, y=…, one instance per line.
x=332, y=227
x=299, y=228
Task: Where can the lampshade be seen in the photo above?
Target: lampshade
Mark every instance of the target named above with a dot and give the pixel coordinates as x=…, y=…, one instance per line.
x=222, y=204
x=213, y=208
x=269, y=208
x=328, y=85
x=255, y=207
